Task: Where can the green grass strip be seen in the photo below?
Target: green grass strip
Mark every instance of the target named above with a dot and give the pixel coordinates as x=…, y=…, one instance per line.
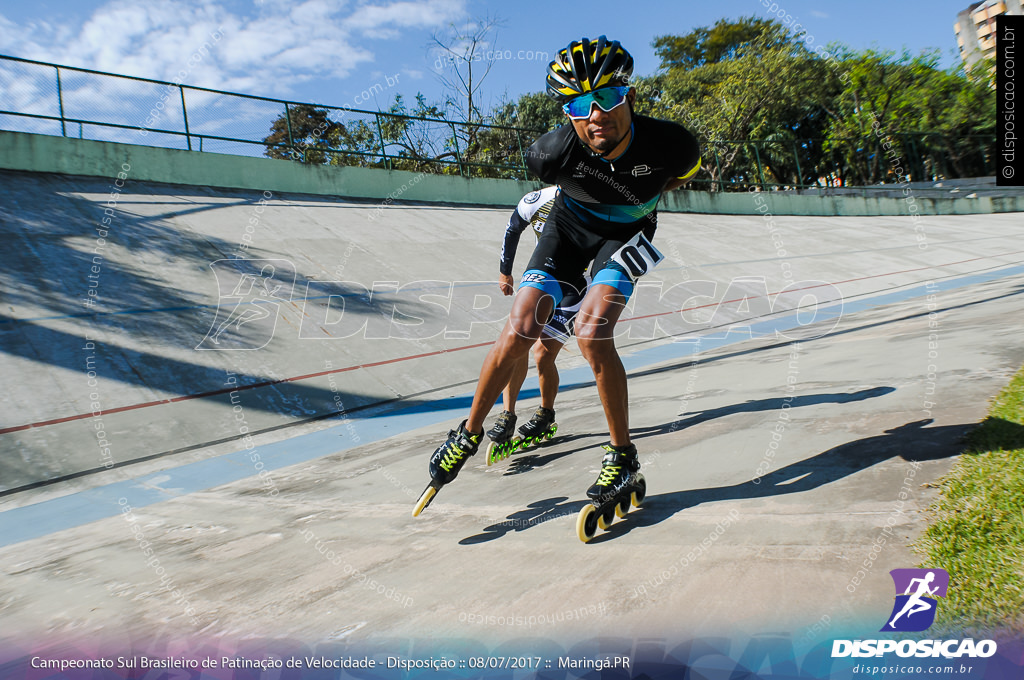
x=976, y=531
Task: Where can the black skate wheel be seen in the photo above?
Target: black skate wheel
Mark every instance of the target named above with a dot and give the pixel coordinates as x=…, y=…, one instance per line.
x=606, y=518
x=622, y=507
x=425, y=498
x=586, y=523
x=638, y=495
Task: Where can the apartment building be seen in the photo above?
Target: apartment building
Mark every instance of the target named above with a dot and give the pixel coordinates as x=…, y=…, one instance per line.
x=976, y=28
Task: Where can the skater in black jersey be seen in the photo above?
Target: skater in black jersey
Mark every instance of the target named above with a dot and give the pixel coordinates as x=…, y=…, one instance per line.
x=532, y=211
x=611, y=167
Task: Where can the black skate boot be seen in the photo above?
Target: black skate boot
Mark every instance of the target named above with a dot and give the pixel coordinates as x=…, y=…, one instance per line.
x=503, y=443
x=540, y=427
x=449, y=457
x=618, y=486
x=617, y=468
x=446, y=461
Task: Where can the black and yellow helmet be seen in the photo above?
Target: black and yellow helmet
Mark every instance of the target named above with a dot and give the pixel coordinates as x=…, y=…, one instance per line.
x=587, y=65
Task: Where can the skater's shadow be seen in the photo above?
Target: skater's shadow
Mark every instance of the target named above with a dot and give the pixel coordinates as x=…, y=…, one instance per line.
x=534, y=514
x=910, y=442
x=753, y=405
x=526, y=462
x=537, y=457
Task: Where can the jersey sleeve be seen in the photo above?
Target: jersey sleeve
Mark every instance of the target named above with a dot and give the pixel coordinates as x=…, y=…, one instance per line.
x=532, y=211
x=544, y=157
x=516, y=225
x=686, y=153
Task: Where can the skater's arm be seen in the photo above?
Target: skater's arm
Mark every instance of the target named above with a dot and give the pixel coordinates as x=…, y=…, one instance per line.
x=677, y=182
x=674, y=184
x=516, y=225
x=532, y=209
x=506, y=284
x=686, y=160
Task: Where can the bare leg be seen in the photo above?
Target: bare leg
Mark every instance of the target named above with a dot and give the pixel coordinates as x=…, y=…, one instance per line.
x=530, y=312
x=515, y=383
x=595, y=328
x=545, y=351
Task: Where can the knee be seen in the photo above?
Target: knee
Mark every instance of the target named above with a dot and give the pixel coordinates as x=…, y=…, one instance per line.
x=592, y=330
x=590, y=346
x=522, y=330
x=594, y=342
x=526, y=325
x=542, y=356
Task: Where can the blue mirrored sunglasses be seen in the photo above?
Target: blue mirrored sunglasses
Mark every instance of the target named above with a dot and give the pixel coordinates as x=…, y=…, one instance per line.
x=606, y=99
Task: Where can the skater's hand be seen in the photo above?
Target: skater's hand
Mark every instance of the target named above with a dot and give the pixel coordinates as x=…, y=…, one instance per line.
x=505, y=283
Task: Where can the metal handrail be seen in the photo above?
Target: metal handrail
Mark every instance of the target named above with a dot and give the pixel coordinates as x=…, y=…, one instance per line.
x=830, y=175
x=265, y=99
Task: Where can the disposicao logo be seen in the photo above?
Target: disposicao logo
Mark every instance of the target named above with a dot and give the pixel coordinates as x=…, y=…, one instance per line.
x=912, y=612
x=914, y=609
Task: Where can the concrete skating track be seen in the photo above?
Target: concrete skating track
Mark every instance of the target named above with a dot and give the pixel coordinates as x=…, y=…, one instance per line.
x=780, y=447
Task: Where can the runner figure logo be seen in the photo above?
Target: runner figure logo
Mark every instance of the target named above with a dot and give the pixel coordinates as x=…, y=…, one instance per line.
x=914, y=610
x=250, y=295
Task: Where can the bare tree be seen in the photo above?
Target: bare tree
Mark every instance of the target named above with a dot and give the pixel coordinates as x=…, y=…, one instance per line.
x=466, y=56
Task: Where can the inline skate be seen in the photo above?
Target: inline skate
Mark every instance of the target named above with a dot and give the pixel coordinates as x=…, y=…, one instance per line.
x=446, y=461
x=541, y=427
x=618, y=486
x=503, y=442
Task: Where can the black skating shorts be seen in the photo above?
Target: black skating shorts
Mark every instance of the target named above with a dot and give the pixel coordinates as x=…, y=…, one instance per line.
x=566, y=247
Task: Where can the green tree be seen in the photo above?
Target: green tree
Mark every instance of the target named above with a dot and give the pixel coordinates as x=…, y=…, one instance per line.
x=706, y=45
x=925, y=118
x=531, y=116
x=304, y=133
x=766, y=88
x=764, y=106
x=326, y=136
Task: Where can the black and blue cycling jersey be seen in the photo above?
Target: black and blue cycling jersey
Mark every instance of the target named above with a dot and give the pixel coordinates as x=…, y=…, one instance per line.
x=603, y=203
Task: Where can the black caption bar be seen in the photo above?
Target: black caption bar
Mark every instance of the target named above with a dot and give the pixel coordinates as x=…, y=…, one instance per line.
x=1010, y=153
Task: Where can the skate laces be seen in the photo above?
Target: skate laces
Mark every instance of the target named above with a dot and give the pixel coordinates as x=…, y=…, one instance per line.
x=503, y=418
x=611, y=467
x=451, y=456
x=608, y=474
x=452, y=452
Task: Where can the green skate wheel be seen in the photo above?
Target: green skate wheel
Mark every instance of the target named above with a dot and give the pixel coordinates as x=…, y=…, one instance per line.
x=606, y=518
x=425, y=498
x=638, y=495
x=499, y=451
x=622, y=507
x=551, y=431
x=586, y=523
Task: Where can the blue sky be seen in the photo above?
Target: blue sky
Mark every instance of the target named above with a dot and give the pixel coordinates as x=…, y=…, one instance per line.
x=332, y=51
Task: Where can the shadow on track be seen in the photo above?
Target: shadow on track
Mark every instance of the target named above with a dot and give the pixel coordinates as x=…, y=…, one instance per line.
x=910, y=442
x=534, y=514
x=761, y=405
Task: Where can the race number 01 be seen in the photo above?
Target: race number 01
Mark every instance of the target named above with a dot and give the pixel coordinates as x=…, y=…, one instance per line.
x=638, y=256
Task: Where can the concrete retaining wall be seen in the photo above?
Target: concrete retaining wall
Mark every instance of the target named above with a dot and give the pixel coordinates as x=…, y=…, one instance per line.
x=67, y=155
x=44, y=153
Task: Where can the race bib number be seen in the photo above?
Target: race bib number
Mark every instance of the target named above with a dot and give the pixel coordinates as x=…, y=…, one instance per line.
x=638, y=256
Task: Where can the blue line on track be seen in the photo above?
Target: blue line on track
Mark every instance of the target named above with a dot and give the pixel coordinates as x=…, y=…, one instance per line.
x=46, y=517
